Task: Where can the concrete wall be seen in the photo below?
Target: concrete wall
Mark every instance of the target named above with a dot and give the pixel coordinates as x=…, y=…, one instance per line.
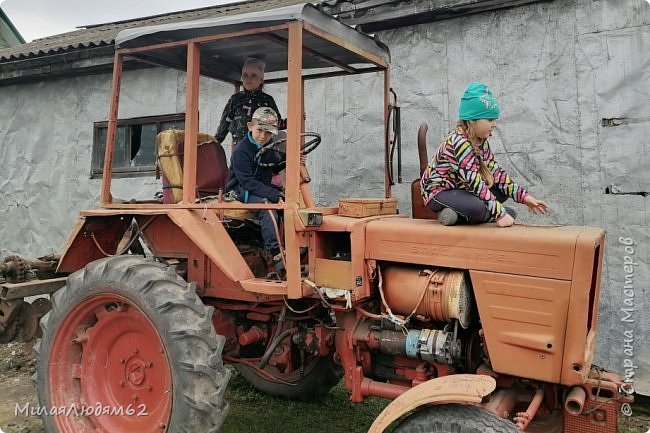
x=558, y=69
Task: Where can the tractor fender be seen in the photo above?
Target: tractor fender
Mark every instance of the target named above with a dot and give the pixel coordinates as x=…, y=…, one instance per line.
x=210, y=238
x=455, y=388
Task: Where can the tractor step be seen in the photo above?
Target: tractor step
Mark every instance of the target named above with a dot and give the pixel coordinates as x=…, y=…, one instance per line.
x=266, y=286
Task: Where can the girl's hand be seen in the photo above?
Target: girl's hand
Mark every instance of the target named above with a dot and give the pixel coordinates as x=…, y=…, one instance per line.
x=537, y=206
x=505, y=221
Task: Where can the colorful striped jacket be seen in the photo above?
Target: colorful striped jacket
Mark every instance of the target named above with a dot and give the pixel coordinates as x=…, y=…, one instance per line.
x=455, y=166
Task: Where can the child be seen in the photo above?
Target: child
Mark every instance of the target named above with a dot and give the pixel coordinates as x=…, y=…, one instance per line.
x=463, y=181
x=242, y=105
x=252, y=182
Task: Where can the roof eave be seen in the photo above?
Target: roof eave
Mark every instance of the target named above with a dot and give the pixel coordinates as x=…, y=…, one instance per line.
x=94, y=60
x=374, y=15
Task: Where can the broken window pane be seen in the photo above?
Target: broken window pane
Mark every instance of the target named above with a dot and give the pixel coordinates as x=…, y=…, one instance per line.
x=135, y=144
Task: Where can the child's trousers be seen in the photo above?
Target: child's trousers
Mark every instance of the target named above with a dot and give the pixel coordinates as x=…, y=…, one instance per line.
x=266, y=223
x=472, y=209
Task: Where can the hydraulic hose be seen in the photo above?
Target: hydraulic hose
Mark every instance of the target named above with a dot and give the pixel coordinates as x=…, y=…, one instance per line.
x=276, y=341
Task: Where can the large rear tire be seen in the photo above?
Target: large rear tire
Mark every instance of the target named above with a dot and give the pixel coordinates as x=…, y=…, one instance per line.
x=128, y=337
x=455, y=418
x=320, y=375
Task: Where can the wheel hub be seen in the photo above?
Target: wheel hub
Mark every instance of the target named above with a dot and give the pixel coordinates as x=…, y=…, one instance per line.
x=114, y=363
x=135, y=373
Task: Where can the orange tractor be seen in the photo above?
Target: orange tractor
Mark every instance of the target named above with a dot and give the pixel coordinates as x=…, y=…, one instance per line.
x=466, y=328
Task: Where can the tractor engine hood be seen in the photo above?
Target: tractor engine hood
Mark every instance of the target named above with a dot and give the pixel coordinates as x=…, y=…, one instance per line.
x=523, y=250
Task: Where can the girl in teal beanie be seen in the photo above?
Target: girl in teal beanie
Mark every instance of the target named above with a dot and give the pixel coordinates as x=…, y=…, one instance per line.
x=463, y=181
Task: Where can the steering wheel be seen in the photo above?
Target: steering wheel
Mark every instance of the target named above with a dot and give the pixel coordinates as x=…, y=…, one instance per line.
x=305, y=149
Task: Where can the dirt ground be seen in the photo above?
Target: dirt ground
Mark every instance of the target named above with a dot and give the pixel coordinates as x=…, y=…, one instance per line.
x=17, y=366
x=639, y=422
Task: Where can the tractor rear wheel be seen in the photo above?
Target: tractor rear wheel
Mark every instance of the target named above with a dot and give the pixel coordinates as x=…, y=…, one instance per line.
x=455, y=418
x=128, y=346
x=318, y=377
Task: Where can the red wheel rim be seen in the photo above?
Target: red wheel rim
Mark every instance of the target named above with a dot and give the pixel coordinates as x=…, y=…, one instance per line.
x=107, y=355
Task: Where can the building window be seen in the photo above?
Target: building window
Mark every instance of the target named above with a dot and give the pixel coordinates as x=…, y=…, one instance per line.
x=135, y=144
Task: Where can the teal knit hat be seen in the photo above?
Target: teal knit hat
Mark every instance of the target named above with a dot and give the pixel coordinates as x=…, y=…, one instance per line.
x=478, y=102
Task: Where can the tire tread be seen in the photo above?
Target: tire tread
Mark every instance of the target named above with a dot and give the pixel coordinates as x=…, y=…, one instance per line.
x=184, y=325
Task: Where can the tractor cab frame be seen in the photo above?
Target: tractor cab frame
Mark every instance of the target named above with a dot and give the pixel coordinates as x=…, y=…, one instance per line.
x=298, y=43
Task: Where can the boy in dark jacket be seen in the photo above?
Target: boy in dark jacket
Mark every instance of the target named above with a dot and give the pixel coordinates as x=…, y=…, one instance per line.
x=252, y=181
x=242, y=105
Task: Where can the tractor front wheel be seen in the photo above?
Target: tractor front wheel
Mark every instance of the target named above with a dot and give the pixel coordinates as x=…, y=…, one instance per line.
x=455, y=418
x=128, y=346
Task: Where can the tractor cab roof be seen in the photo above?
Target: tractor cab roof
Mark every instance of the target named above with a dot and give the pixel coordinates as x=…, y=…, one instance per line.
x=329, y=46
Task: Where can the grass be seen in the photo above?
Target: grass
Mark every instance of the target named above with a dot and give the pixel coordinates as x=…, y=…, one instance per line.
x=254, y=412
x=624, y=427
x=639, y=422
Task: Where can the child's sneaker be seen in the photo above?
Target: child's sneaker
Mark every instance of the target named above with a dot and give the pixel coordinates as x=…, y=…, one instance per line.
x=448, y=217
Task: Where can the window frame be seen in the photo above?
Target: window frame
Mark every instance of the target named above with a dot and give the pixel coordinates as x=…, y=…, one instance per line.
x=98, y=151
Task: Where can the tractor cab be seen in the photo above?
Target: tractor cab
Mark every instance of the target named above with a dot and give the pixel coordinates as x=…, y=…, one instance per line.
x=298, y=43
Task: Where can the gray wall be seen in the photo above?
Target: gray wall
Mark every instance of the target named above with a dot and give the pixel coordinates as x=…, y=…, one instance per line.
x=558, y=68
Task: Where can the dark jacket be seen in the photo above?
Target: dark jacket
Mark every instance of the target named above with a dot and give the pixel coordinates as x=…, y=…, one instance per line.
x=247, y=177
x=238, y=113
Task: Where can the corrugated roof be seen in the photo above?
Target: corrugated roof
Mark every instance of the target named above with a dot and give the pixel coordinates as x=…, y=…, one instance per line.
x=104, y=34
x=370, y=15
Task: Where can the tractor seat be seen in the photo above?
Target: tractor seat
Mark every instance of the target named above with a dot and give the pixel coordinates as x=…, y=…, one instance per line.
x=211, y=169
x=211, y=165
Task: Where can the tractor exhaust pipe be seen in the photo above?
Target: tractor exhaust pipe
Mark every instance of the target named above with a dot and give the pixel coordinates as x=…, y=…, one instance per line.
x=575, y=401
